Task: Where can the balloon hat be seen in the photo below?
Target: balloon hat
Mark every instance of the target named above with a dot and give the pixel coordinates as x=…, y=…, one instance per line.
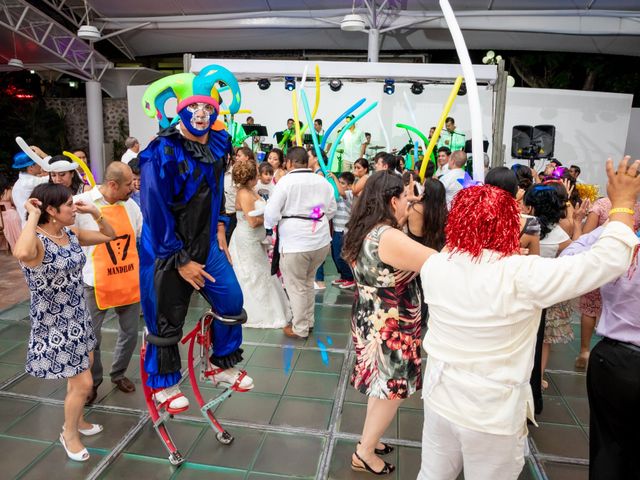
x=189, y=89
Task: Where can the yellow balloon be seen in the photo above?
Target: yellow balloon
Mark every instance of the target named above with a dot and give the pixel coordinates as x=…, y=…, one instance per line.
x=83, y=166
x=443, y=117
x=294, y=99
x=317, y=103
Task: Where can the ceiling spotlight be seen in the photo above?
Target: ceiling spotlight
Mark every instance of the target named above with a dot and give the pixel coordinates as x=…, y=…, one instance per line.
x=264, y=83
x=389, y=86
x=289, y=83
x=335, y=84
x=15, y=62
x=89, y=32
x=463, y=90
x=352, y=23
x=32, y=72
x=417, y=88
x=73, y=84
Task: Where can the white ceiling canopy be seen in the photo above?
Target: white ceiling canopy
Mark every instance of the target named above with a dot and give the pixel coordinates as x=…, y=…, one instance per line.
x=596, y=26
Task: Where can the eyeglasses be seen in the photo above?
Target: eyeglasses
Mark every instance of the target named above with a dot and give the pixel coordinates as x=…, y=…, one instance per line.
x=194, y=107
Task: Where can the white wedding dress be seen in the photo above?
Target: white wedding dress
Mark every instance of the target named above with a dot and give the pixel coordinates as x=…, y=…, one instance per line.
x=265, y=301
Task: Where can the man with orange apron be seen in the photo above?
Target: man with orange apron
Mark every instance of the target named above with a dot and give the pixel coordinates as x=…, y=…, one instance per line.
x=112, y=272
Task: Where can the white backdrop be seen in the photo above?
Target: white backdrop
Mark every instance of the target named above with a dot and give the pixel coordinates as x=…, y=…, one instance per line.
x=633, y=135
x=590, y=126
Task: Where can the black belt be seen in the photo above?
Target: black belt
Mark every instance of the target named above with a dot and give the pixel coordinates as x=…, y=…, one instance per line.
x=627, y=345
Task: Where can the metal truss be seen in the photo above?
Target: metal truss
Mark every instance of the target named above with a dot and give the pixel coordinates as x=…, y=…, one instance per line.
x=80, y=59
x=75, y=12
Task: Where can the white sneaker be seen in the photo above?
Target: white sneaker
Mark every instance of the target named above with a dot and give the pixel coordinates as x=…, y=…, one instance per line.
x=230, y=377
x=171, y=398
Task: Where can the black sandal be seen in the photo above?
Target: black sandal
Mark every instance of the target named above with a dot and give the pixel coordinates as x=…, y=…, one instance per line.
x=383, y=451
x=386, y=470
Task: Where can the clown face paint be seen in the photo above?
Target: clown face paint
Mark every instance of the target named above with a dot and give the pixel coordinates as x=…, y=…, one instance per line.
x=198, y=118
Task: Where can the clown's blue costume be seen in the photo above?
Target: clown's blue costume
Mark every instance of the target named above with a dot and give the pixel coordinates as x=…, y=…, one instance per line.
x=182, y=200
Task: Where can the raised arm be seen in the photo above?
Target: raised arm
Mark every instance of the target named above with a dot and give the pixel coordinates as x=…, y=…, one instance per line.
x=401, y=252
x=106, y=233
x=549, y=281
x=28, y=248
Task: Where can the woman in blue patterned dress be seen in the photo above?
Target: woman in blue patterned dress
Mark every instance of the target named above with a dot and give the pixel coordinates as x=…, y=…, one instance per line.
x=61, y=342
x=385, y=324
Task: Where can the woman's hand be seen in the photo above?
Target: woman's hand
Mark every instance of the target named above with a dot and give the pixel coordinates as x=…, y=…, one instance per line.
x=623, y=187
x=38, y=151
x=411, y=189
x=90, y=208
x=32, y=207
x=568, y=187
x=580, y=213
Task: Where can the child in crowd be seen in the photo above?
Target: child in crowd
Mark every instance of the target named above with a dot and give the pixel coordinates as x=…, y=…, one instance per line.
x=135, y=168
x=265, y=184
x=345, y=183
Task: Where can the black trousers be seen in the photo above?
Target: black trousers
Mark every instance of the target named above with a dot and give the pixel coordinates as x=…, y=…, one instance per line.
x=613, y=387
x=536, y=374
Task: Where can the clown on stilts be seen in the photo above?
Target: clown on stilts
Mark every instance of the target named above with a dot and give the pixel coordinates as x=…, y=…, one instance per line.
x=183, y=246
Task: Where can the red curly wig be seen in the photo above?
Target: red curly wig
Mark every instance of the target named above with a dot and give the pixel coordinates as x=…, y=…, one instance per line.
x=483, y=217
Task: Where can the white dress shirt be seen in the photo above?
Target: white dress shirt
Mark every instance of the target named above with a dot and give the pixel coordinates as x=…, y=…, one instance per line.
x=128, y=156
x=451, y=184
x=483, y=319
x=85, y=221
x=299, y=192
x=352, y=143
x=22, y=191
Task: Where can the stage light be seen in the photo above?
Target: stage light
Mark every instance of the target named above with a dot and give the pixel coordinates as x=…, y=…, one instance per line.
x=389, y=86
x=264, y=84
x=289, y=83
x=463, y=90
x=417, y=88
x=335, y=84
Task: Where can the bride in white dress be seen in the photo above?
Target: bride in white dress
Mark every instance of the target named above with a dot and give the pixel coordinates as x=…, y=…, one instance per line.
x=265, y=301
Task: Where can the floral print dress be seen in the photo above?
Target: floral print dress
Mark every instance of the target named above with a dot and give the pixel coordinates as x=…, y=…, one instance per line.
x=385, y=325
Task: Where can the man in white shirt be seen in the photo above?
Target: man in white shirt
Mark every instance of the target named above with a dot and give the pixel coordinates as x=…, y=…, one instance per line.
x=29, y=178
x=477, y=396
x=444, y=153
x=317, y=125
x=353, y=145
x=112, y=270
x=301, y=205
x=457, y=161
x=133, y=147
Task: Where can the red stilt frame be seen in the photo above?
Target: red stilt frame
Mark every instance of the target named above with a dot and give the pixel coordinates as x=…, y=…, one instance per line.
x=200, y=335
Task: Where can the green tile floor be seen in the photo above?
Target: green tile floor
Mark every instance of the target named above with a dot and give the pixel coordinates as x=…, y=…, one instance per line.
x=302, y=420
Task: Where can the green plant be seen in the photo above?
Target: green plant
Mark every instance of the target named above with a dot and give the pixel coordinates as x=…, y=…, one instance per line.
x=118, y=143
x=33, y=121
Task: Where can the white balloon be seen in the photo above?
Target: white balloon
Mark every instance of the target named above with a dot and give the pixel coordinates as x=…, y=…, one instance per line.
x=491, y=54
x=498, y=58
x=472, y=87
x=511, y=81
x=485, y=60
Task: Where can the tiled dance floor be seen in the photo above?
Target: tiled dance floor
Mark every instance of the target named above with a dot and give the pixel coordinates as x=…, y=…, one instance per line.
x=301, y=421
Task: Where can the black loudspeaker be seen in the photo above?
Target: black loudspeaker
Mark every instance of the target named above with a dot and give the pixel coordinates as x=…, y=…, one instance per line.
x=521, y=139
x=469, y=143
x=544, y=136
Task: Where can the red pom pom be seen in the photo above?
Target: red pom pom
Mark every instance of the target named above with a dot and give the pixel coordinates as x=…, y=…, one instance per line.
x=483, y=217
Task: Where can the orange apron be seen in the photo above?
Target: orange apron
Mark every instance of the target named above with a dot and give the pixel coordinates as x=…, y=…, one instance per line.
x=116, y=270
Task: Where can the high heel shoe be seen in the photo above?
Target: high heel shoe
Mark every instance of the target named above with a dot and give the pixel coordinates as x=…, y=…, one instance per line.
x=81, y=456
x=386, y=470
x=87, y=432
x=94, y=430
x=383, y=451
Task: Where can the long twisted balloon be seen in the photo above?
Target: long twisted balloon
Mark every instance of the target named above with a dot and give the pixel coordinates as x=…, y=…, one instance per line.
x=472, y=90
